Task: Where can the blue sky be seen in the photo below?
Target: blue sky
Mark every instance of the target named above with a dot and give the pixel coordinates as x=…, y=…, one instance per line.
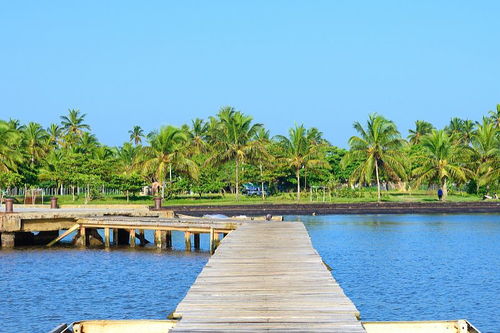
x=321, y=63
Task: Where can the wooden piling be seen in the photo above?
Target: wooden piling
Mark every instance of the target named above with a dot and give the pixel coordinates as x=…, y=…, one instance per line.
x=83, y=237
x=132, y=237
x=115, y=236
x=196, y=241
x=142, y=238
x=212, y=241
x=106, y=237
x=187, y=240
x=168, y=238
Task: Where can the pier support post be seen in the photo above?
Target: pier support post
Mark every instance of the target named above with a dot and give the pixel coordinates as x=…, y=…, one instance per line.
x=212, y=241
x=107, y=243
x=115, y=236
x=8, y=239
x=160, y=239
x=142, y=238
x=168, y=238
x=132, y=237
x=187, y=240
x=196, y=241
x=82, y=241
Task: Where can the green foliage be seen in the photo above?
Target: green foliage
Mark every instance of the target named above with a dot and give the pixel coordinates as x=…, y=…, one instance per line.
x=213, y=157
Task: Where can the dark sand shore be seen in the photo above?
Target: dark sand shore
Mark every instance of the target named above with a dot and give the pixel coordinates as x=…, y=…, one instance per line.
x=340, y=208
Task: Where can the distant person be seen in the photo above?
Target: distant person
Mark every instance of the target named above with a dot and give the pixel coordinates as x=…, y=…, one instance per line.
x=495, y=196
x=487, y=196
x=440, y=194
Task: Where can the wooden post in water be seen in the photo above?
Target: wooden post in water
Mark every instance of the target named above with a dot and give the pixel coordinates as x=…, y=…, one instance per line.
x=142, y=238
x=187, y=240
x=212, y=241
x=132, y=238
x=161, y=240
x=106, y=237
x=168, y=238
x=115, y=236
x=83, y=237
x=196, y=241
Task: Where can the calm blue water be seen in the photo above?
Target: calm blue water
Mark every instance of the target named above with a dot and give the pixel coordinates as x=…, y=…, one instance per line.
x=393, y=267
x=415, y=267
x=41, y=288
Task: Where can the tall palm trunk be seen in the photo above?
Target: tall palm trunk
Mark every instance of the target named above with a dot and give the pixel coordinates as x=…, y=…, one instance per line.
x=444, y=187
x=237, y=175
x=378, y=180
x=262, y=183
x=297, y=173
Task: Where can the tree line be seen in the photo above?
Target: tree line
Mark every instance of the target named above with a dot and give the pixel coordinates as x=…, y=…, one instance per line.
x=218, y=154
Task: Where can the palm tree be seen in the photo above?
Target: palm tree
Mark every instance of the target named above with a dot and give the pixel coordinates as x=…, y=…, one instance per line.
x=486, y=152
x=441, y=161
x=495, y=117
x=167, y=152
x=233, y=140
x=136, y=135
x=73, y=124
x=35, y=139
x=379, y=149
x=300, y=150
x=422, y=128
x=54, y=135
x=127, y=155
x=10, y=154
x=263, y=138
x=87, y=143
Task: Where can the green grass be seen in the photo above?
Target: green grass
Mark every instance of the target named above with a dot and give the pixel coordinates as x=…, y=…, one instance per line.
x=230, y=199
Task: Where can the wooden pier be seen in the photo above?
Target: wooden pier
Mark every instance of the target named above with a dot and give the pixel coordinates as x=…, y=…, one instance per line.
x=266, y=277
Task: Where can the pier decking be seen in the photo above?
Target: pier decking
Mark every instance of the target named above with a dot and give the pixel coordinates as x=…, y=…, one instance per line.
x=266, y=277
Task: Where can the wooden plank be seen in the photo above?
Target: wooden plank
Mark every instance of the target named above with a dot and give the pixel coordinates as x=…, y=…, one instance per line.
x=66, y=233
x=266, y=277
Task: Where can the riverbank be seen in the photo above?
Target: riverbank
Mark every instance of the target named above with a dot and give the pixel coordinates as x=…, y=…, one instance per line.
x=282, y=198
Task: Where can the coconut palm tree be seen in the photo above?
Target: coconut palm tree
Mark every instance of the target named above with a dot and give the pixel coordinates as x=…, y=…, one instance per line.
x=263, y=138
x=233, y=140
x=136, y=135
x=379, y=149
x=73, y=124
x=168, y=152
x=197, y=135
x=441, y=162
x=495, y=116
x=301, y=150
x=35, y=142
x=10, y=154
x=422, y=128
x=486, y=153
x=54, y=132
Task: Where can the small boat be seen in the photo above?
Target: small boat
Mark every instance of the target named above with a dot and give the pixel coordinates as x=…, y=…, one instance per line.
x=434, y=326
x=163, y=326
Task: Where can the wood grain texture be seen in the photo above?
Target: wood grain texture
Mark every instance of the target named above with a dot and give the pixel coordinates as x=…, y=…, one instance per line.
x=266, y=277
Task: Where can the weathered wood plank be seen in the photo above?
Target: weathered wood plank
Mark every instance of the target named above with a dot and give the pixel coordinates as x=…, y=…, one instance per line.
x=266, y=277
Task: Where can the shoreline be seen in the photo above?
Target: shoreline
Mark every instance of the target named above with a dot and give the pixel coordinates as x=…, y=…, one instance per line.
x=338, y=208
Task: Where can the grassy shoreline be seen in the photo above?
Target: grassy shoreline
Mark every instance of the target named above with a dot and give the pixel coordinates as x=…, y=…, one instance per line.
x=285, y=198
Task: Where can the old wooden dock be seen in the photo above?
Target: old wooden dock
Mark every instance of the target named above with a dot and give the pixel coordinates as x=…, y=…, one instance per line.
x=266, y=277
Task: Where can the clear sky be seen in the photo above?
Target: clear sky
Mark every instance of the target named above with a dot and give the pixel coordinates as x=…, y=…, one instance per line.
x=321, y=63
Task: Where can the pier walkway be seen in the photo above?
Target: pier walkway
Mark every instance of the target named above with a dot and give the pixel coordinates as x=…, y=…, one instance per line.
x=266, y=277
